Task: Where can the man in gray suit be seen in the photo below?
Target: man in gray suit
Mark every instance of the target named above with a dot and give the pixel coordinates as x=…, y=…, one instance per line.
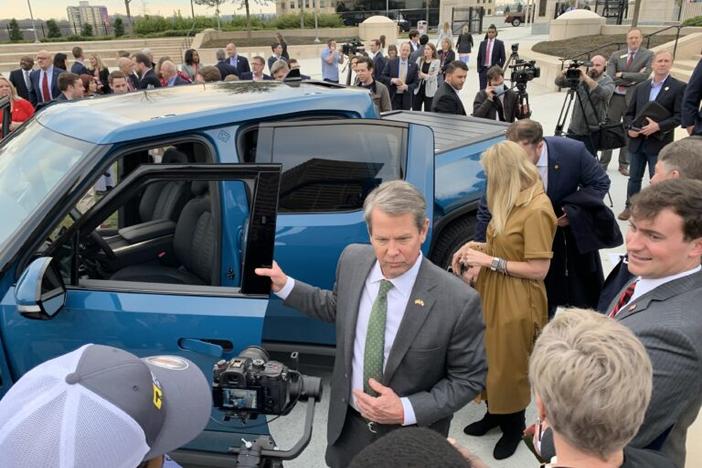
x=627, y=67
x=662, y=307
x=409, y=335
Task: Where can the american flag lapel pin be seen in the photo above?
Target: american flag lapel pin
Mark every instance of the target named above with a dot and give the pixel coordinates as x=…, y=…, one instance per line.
x=419, y=302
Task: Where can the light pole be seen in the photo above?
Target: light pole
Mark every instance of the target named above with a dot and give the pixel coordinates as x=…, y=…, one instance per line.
x=387, y=8
x=34, y=27
x=315, y=6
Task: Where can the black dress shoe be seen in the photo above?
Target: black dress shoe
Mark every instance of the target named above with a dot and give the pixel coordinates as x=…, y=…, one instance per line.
x=479, y=428
x=512, y=426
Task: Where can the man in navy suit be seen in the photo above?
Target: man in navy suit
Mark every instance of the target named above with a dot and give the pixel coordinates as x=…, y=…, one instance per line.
x=240, y=63
x=400, y=76
x=691, y=114
x=223, y=65
x=491, y=52
x=258, y=64
x=78, y=66
x=20, y=77
x=378, y=60
x=44, y=81
x=566, y=167
x=147, y=76
x=645, y=141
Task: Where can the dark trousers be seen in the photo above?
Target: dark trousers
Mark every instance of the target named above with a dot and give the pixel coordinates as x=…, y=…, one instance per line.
x=637, y=166
x=482, y=76
x=402, y=101
x=586, y=140
x=615, y=112
x=421, y=98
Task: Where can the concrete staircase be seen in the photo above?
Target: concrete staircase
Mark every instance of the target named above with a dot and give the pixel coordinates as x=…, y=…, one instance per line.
x=683, y=69
x=172, y=47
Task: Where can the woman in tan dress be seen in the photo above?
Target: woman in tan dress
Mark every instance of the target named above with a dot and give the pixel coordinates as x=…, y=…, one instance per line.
x=508, y=272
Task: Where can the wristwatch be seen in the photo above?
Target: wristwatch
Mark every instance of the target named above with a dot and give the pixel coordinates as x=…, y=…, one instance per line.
x=495, y=263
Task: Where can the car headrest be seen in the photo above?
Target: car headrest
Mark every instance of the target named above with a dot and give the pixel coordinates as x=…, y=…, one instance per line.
x=200, y=187
x=173, y=156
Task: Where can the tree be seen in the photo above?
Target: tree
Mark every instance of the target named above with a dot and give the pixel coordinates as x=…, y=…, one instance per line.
x=86, y=30
x=246, y=4
x=118, y=27
x=54, y=30
x=129, y=14
x=213, y=4
x=15, y=33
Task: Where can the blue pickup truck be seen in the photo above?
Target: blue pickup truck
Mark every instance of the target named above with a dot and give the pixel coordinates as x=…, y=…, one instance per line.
x=136, y=221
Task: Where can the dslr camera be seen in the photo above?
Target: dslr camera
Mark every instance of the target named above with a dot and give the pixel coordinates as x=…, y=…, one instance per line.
x=353, y=47
x=251, y=384
x=523, y=71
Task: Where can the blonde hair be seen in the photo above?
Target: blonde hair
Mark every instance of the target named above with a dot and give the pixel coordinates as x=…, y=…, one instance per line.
x=13, y=91
x=509, y=171
x=98, y=61
x=594, y=378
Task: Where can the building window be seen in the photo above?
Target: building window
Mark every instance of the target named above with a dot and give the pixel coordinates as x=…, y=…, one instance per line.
x=292, y=5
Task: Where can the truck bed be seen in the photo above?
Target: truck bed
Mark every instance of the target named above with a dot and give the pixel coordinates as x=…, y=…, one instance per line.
x=451, y=131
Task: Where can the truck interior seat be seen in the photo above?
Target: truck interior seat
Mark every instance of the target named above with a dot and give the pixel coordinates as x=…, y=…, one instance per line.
x=193, y=244
x=165, y=200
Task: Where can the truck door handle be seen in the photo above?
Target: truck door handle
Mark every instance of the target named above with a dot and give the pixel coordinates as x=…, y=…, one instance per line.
x=204, y=346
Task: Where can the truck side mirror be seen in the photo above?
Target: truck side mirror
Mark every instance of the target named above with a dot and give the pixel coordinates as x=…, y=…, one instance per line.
x=40, y=291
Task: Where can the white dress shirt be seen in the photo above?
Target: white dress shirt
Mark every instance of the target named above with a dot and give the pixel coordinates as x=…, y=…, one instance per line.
x=645, y=285
x=542, y=165
x=398, y=297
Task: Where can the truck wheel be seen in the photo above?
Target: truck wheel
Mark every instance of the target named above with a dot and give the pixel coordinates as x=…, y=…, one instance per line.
x=452, y=238
x=516, y=22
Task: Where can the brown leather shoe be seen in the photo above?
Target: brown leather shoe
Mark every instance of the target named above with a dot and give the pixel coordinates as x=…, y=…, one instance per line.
x=623, y=170
x=624, y=215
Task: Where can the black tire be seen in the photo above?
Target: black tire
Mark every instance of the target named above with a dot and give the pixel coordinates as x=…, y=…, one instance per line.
x=451, y=239
x=516, y=22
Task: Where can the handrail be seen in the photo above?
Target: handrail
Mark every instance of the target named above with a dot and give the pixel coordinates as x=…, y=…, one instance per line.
x=187, y=41
x=618, y=43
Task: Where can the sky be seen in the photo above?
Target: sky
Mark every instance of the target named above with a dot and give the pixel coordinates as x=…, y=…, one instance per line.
x=46, y=9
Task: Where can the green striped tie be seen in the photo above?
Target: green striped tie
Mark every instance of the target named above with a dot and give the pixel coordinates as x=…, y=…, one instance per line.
x=375, y=338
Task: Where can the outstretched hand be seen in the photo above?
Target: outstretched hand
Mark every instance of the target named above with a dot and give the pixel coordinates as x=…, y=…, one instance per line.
x=276, y=274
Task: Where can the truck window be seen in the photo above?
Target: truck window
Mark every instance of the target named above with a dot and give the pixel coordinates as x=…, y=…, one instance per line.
x=333, y=168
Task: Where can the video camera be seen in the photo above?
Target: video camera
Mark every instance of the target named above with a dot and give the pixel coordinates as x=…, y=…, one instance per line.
x=523, y=71
x=353, y=47
x=572, y=73
x=251, y=384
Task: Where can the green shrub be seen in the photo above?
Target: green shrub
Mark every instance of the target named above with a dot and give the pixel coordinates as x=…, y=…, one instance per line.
x=151, y=24
x=54, y=30
x=292, y=21
x=118, y=27
x=694, y=21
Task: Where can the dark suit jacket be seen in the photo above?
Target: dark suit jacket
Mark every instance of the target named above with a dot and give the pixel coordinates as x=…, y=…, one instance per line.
x=573, y=278
x=450, y=57
x=35, y=96
x=272, y=59
x=498, y=54
x=180, y=81
x=242, y=65
x=249, y=76
x=446, y=101
x=487, y=109
x=17, y=79
x=670, y=97
x=378, y=66
x=437, y=359
x=691, y=113
x=226, y=69
x=392, y=70
x=79, y=69
x=149, y=78
x=668, y=323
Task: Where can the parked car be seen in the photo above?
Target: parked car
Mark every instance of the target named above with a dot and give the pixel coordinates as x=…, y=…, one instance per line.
x=515, y=18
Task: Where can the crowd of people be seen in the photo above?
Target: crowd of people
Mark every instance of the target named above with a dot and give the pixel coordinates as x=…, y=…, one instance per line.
x=415, y=343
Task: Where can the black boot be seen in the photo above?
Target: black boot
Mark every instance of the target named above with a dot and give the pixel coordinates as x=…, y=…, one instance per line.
x=479, y=428
x=512, y=426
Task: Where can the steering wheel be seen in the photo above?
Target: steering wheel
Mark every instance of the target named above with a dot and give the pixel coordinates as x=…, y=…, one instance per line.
x=103, y=245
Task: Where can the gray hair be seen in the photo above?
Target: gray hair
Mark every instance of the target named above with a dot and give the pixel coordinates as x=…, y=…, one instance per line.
x=594, y=378
x=220, y=54
x=396, y=198
x=279, y=64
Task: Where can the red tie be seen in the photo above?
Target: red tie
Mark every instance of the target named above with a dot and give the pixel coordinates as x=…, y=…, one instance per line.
x=629, y=60
x=45, y=94
x=623, y=299
x=488, y=55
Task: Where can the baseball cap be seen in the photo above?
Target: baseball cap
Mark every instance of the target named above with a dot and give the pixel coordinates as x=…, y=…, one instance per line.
x=102, y=406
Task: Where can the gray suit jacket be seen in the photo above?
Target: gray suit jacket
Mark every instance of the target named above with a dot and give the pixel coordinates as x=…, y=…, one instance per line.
x=638, y=71
x=668, y=321
x=438, y=356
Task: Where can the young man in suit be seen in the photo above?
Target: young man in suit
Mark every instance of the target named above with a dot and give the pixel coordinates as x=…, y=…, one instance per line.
x=400, y=76
x=490, y=52
x=496, y=102
x=147, y=76
x=240, y=63
x=409, y=345
x=413, y=40
x=446, y=99
x=20, y=77
x=44, y=81
x=646, y=141
x=627, y=67
x=258, y=64
x=376, y=55
x=691, y=113
x=566, y=167
x=78, y=66
x=277, y=50
x=662, y=307
x=71, y=87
